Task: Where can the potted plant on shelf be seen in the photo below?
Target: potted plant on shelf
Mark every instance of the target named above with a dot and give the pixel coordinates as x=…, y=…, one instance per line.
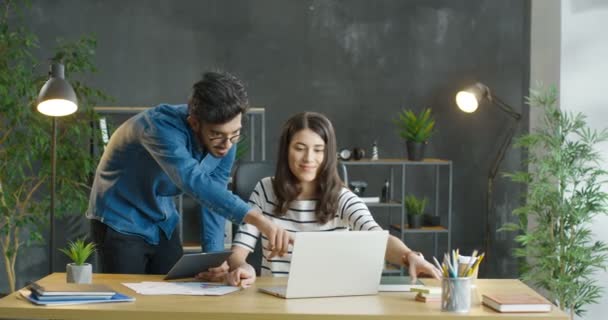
x=79, y=271
x=415, y=210
x=565, y=191
x=416, y=130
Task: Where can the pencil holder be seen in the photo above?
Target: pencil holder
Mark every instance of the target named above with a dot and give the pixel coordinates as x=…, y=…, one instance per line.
x=456, y=294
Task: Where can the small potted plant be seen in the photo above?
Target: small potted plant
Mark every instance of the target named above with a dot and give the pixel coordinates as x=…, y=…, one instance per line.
x=415, y=210
x=79, y=271
x=416, y=130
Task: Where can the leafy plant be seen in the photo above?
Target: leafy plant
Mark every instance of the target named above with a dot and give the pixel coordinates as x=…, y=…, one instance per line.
x=414, y=205
x=415, y=128
x=79, y=251
x=25, y=164
x=565, y=185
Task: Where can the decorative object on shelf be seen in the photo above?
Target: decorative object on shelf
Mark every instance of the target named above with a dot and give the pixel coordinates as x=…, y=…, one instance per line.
x=386, y=192
x=358, y=187
x=416, y=130
x=344, y=154
x=374, y=151
x=358, y=153
x=565, y=178
x=79, y=271
x=415, y=210
x=431, y=220
x=468, y=101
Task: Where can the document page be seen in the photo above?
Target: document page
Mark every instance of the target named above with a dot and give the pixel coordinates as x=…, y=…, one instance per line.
x=181, y=288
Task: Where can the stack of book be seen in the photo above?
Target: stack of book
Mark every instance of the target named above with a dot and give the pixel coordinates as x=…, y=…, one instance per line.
x=71, y=293
x=428, y=294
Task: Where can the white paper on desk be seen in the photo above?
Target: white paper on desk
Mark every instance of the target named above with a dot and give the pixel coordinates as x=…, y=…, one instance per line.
x=181, y=288
x=398, y=287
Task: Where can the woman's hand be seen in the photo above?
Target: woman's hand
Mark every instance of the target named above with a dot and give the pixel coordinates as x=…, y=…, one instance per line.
x=417, y=264
x=279, y=239
x=243, y=276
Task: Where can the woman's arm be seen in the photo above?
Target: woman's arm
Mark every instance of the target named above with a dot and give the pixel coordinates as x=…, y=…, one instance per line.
x=358, y=217
x=398, y=253
x=241, y=273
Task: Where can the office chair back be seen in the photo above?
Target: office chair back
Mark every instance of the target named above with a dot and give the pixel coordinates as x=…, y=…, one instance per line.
x=246, y=176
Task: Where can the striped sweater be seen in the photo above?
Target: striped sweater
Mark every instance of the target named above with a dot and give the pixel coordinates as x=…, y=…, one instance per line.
x=352, y=214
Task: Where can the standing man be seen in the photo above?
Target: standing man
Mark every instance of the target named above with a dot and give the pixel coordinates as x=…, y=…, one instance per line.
x=159, y=154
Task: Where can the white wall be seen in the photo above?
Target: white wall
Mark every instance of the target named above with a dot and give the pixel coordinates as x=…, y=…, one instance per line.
x=584, y=88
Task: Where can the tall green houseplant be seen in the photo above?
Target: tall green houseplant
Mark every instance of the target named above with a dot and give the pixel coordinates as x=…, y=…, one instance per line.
x=565, y=181
x=25, y=137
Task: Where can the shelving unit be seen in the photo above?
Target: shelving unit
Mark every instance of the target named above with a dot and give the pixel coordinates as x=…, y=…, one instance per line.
x=401, y=165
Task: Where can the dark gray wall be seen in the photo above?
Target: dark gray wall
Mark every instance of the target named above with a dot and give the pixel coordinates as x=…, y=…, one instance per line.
x=358, y=61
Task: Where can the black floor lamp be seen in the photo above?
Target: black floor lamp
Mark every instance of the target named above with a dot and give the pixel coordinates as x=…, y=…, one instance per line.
x=56, y=98
x=468, y=101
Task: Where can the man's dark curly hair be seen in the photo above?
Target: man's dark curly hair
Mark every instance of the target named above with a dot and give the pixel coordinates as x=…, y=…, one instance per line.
x=217, y=98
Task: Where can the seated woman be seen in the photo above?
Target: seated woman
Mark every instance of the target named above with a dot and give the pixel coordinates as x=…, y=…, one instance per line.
x=306, y=194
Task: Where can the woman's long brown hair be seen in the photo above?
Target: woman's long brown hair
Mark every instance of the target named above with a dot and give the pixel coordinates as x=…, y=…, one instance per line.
x=287, y=187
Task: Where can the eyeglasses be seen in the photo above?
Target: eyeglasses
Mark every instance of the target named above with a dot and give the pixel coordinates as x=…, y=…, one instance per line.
x=220, y=140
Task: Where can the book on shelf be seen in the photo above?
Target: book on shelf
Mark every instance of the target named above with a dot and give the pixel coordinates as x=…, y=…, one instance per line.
x=71, y=289
x=516, y=302
x=370, y=199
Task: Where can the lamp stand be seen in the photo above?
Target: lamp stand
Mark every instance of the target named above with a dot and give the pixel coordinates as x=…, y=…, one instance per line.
x=52, y=209
x=491, y=177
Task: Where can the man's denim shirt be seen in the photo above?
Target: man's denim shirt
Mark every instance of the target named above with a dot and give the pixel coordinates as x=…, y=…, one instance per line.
x=151, y=158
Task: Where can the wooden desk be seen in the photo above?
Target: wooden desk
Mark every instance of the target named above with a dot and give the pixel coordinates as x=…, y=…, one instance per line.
x=250, y=304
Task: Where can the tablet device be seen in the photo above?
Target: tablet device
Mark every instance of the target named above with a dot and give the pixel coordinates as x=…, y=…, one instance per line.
x=191, y=264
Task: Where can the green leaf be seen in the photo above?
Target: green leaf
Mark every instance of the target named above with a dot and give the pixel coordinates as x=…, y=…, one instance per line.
x=416, y=128
x=79, y=251
x=414, y=205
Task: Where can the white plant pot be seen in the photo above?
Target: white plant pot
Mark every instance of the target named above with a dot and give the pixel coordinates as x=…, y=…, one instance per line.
x=79, y=274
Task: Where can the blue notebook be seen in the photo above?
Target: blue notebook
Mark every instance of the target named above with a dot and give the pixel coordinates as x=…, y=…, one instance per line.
x=74, y=298
x=118, y=297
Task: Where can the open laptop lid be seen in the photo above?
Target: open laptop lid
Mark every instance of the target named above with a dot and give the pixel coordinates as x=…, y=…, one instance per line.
x=326, y=264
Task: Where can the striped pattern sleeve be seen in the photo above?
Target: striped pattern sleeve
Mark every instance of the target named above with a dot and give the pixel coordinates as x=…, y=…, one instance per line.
x=354, y=213
x=248, y=234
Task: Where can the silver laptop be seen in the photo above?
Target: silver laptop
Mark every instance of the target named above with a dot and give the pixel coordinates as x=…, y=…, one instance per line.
x=332, y=264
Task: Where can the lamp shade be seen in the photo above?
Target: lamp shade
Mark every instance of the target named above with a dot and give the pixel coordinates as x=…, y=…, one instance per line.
x=468, y=100
x=57, y=97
